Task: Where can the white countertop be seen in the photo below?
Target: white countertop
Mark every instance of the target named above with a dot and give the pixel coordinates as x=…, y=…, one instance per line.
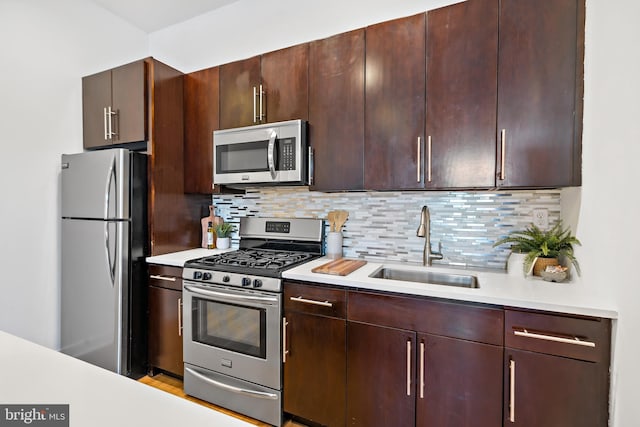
x=495, y=288
x=32, y=374
x=177, y=259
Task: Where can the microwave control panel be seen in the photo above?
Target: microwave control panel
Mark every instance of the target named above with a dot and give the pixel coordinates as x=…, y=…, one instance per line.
x=287, y=154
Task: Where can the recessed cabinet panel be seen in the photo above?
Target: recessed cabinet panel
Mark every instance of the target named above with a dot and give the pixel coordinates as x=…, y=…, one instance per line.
x=336, y=111
x=459, y=383
x=237, y=82
x=462, y=61
x=395, y=104
x=96, y=96
x=201, y=114
x=285, y=80
x=537, y=73
x=130, y=102
x=544, y=390
x=380, y=371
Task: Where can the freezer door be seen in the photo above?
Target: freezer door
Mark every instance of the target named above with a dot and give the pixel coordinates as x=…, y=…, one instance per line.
x=95, y=292
x=95, y=184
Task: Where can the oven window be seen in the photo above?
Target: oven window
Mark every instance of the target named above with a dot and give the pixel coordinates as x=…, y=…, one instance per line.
x=233, y=327
x=245, y=157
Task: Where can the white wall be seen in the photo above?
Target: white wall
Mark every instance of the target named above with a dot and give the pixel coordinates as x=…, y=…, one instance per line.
x=46, y=48
x=603, y=212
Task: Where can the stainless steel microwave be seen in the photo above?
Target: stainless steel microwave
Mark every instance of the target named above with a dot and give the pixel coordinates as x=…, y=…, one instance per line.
x=273, y=153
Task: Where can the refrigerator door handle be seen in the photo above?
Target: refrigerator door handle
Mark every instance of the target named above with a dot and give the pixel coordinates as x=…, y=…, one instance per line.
x=110, y=262
x=111, y=177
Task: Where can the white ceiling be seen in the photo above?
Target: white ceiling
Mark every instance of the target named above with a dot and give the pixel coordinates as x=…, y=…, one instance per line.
x=153, y=15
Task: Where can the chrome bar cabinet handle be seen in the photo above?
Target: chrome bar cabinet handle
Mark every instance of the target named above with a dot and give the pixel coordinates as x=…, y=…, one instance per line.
x=255, y=117
x=429, y=158
x=422, y=369
x=311, y=166
x=311, y=301
x=104, y=116
x=573, y=341
x=503, y=146
x=408, y=367
x=165, y=278
x=262, y=115
x=179, y=317
x=512, y=390
x=419, y=160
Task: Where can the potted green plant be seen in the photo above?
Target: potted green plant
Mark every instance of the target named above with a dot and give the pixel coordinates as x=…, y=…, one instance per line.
x=542, y=248
x=223, y=233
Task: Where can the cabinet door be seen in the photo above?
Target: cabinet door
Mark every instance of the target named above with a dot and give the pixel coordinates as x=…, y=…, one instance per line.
x=96, y=95
x=315, y=368
x=165, y=332
x=237, y=81
x=129, y=101
x=336, y=111
x=545, y=390
x=380, y=376
x=285, y=80
x=395, y=104
x=537, y=68
x=201, y=109
x=459, y=383
x=462, y=61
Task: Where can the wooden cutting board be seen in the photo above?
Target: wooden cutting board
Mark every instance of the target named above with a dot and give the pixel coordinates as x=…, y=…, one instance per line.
x=339, y=267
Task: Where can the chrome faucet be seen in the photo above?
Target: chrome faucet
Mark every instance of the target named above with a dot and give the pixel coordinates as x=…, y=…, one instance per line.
x=424, y=230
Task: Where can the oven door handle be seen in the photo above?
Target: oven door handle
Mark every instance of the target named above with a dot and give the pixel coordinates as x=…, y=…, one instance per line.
x=228, y=296
x=231, y=388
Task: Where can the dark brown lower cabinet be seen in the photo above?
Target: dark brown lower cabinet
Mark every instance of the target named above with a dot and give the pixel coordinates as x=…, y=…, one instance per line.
x=459, y=383
x=553, y=391
x=380, y=376
x=315, y=358
x=165, y=324
x=556, y=370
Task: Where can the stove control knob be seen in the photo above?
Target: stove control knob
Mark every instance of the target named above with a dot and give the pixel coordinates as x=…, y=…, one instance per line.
x=226, y=279
x=246, y=281
x=257, y=283
x=197, y=275
x=206, y=276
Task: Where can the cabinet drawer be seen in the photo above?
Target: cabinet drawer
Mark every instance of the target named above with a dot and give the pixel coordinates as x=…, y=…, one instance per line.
x=315, y=300
x=465, y=321
x=576, y=337
x=164, y=276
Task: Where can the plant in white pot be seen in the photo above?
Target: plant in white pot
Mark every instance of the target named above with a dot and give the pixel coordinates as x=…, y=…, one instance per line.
x=223, y=234
x=542, y=248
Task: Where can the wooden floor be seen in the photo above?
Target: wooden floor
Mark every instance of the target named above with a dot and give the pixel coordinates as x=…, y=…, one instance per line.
x=174, y=386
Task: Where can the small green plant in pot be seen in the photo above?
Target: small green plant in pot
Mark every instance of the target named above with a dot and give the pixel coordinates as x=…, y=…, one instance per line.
x=225, y=229
x=223, y=233
x=543, y=245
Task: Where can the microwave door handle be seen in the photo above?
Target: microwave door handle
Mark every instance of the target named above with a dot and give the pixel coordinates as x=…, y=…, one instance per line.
x=270, y=154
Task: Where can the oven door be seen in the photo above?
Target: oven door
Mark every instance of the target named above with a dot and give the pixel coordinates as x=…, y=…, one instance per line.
x=233, y=331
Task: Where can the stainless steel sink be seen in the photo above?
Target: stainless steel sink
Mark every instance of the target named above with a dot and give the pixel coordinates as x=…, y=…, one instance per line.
x=430, y=277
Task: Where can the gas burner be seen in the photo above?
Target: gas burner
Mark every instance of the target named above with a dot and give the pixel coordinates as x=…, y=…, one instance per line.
x=256, y=259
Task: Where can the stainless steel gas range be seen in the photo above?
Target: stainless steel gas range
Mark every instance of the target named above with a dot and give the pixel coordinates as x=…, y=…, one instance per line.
x=233, y=315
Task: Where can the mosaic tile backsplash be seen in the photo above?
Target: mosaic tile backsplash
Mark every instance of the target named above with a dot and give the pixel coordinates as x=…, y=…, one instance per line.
x=382, y=225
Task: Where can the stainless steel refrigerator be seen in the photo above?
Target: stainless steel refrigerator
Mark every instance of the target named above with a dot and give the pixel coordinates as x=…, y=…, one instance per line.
x=104, y=245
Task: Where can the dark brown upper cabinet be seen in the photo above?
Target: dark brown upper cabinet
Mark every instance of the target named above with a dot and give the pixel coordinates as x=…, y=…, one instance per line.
x=201, y=114
x=268, y=88
x=336, y=111
x=114, y=106
x=461, y=95
x=540, y=81
x=395, y=104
